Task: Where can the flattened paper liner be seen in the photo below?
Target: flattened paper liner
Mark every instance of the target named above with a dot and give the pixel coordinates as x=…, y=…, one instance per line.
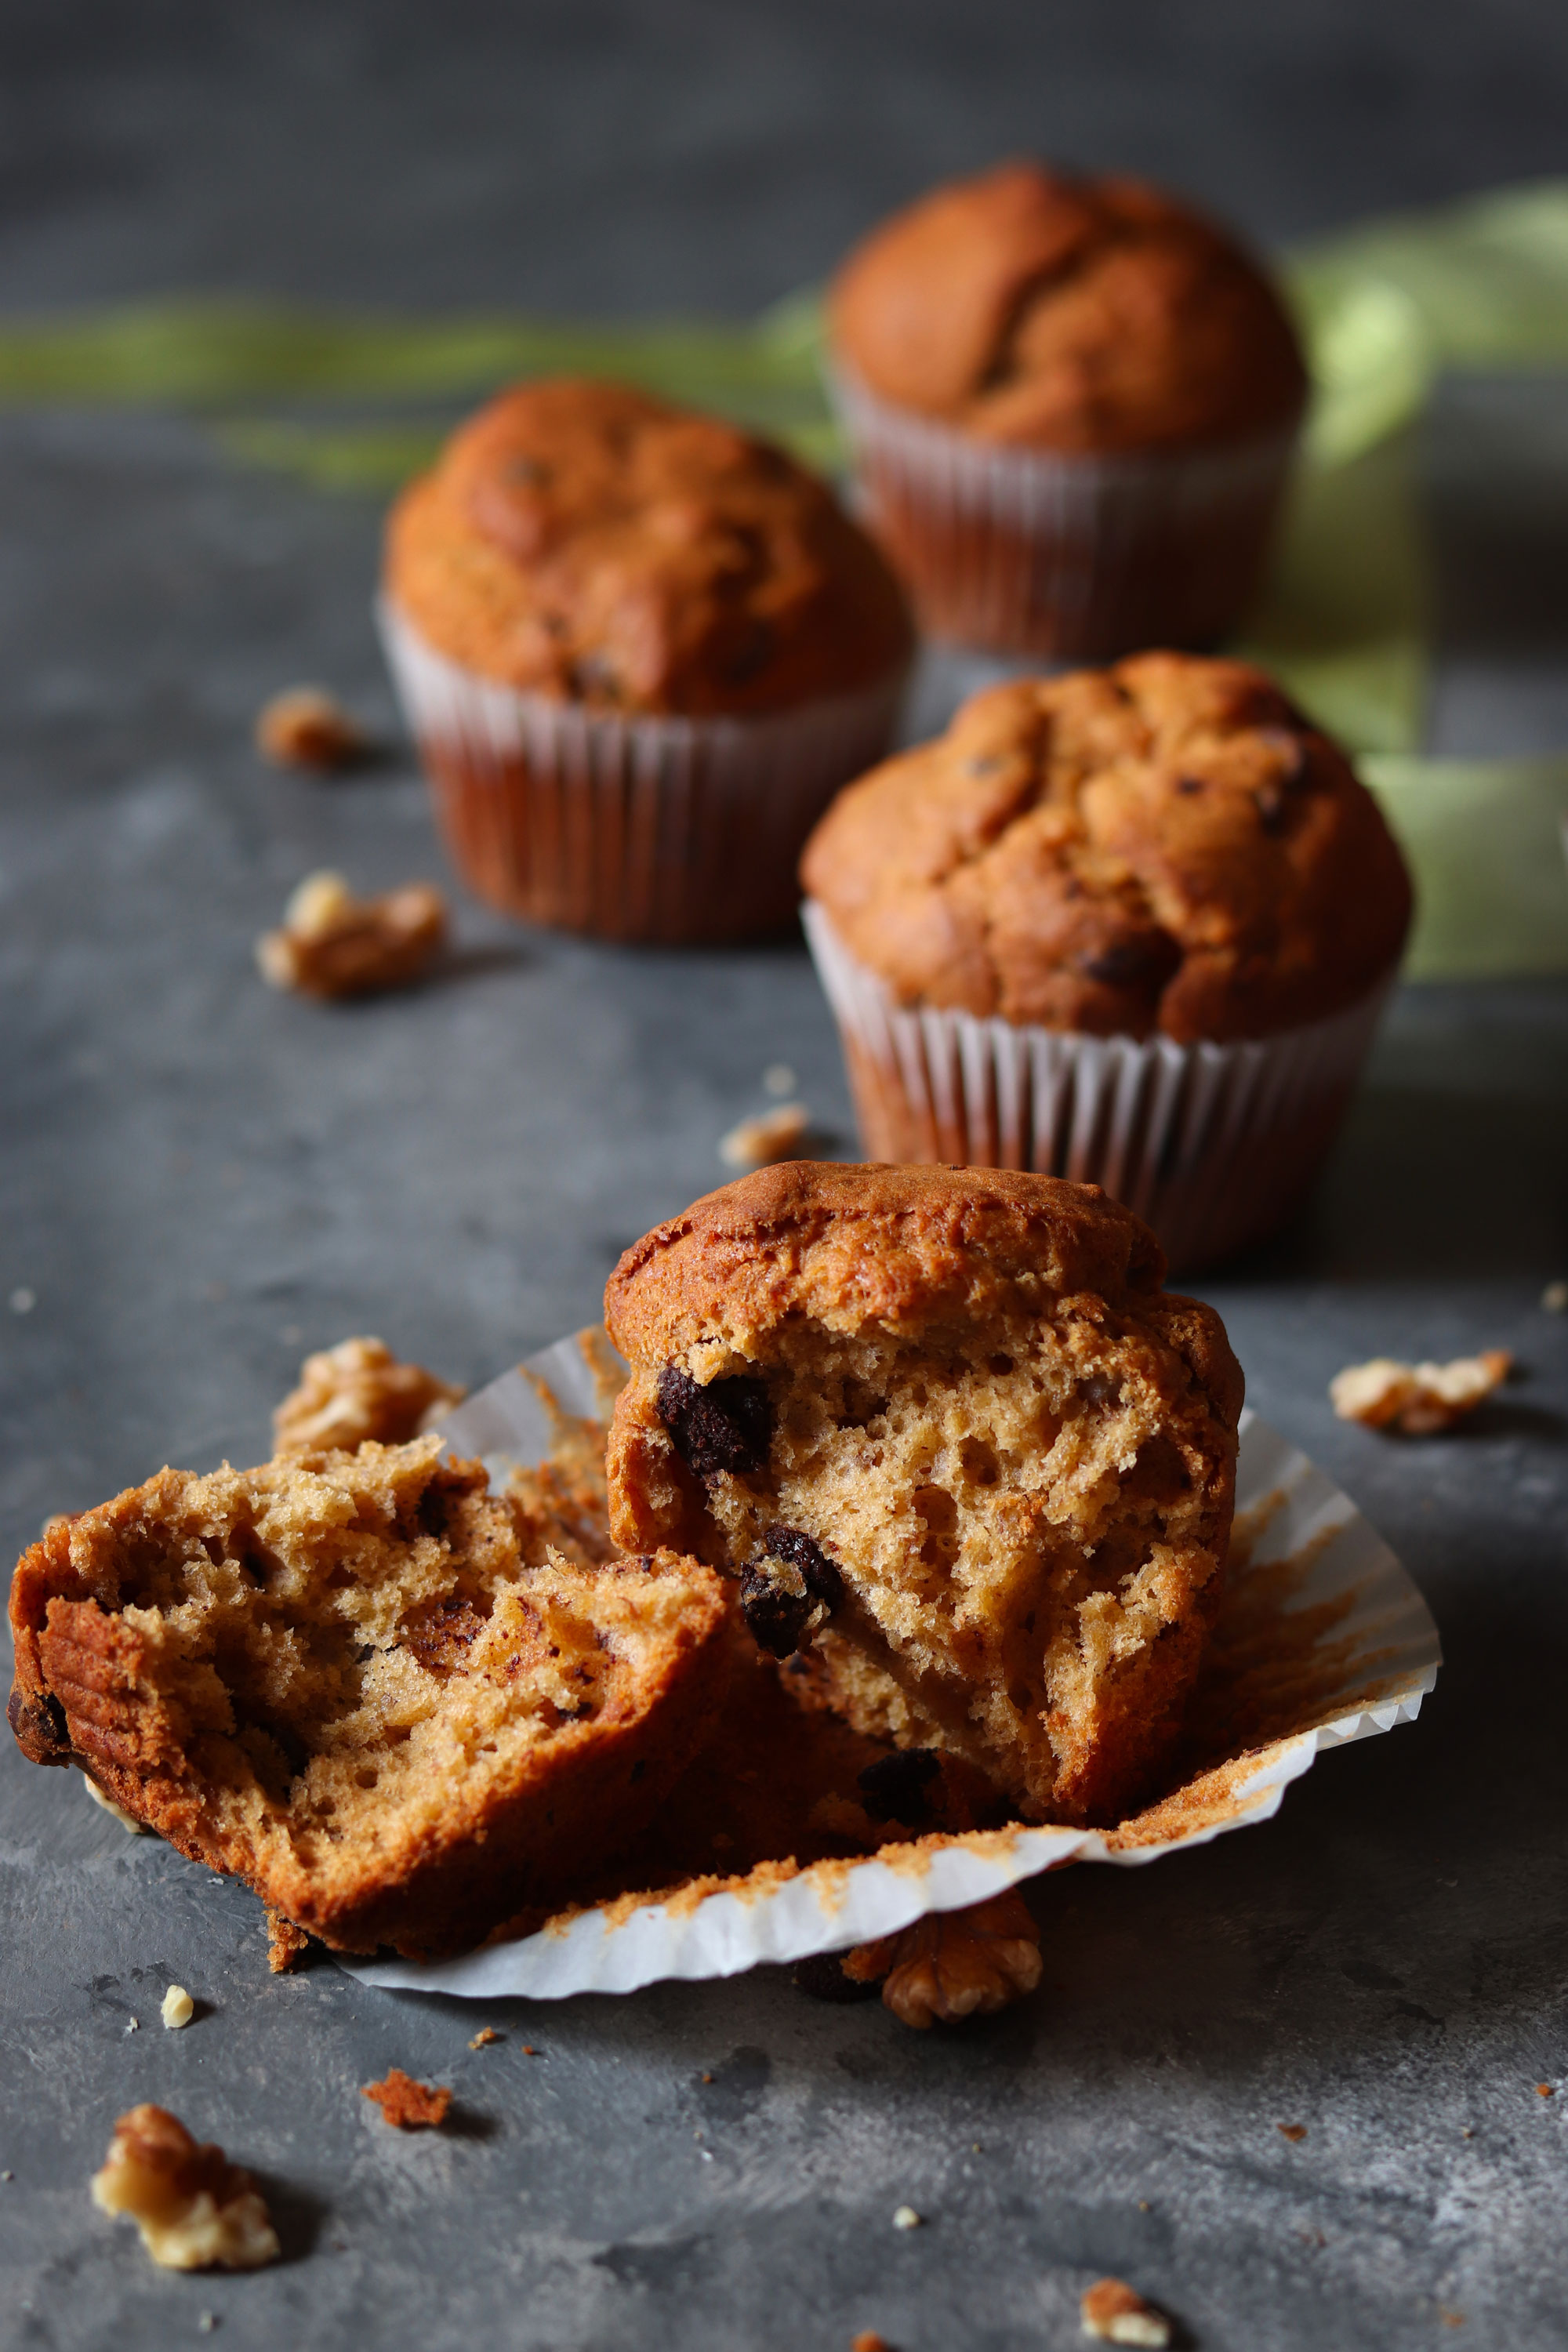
x=1323, y=1639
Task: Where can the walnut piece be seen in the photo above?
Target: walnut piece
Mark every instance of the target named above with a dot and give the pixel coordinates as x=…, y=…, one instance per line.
x=1418, y=1397
x=955, y=1964
x=333, y=944
x=758, y=1142
x=307, y=728
x=1113, y=2310
x=195, y=2210
x=354, y=1392
x=411, y=2106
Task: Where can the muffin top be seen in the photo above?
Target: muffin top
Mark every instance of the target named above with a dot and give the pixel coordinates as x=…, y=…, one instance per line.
x=1073, y=314
x=1162, y=846
x=584, y=542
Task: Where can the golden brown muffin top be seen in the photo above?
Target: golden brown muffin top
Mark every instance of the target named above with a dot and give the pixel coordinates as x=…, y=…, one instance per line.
x=1072, y=314
x=585, y=541
x=1162, y=846
x=902, y=1247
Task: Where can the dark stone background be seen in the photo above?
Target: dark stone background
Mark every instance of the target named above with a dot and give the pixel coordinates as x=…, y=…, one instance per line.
x=201, y=1180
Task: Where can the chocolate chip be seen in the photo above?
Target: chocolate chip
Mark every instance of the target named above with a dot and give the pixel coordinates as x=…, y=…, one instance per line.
x=898, y=1788
x=822, y=1976
x=727, y=1425
x=775, y=1615
x=1144, y=960
x=822, y=1577
x=1189, y=784
x=39, y=1725
x=434, y=1504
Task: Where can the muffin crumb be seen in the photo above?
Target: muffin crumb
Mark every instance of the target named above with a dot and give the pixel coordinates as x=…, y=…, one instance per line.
x=286, y=1943
x=306, y=727
x=870, y=2341
x=407, y=2105
x=776, y=1135
x=1292, y=2132
x=195, y=2210
x=1417, y=1399
x=1554, y=1298
x=1111, y=2310
x=355, y=1392
x=955, y=1964
x=178, y=2008
x=332, y=944
x=484, y=2037
x=906, y=2217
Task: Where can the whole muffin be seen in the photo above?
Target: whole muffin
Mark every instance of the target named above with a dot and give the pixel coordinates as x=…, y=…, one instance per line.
x=952, y=1435
x=1164, y=855
x=640, y=649
x=1073, y=402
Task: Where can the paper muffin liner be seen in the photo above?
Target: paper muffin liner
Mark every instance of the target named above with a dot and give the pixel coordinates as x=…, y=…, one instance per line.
x=1312, y=1588
x=1025, y=550
x=674, y=831
x=1214, y=1145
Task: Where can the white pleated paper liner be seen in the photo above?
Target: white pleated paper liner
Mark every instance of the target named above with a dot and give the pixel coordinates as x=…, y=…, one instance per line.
x=667, y=830
x=1018, y=550
x=1312, y=1559
x=1214, y=1145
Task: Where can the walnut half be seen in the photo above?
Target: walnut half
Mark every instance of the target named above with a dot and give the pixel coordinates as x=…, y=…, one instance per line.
x=955, y=1964
x=1417, y=1399
x=354, y=1392
x=195, y=2210
x=333, y=944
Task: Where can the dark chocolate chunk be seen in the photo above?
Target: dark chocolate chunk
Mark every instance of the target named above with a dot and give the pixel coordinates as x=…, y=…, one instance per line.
x=728, y=1425
x=900, y=1787
x=1146, y=959
x=775, y=1615
x=821, y=1576
x=822, y=1976
x=1189, y=784
x=39, y=1725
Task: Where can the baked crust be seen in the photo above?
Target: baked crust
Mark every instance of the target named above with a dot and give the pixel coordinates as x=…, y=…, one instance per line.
x=948, y=1429
x=336, y=1677
x=1166, y=844
x=588, y=543
x=1081, y=315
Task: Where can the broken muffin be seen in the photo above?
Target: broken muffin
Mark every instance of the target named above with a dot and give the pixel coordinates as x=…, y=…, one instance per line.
x=336, y=1677
x=948, y=1429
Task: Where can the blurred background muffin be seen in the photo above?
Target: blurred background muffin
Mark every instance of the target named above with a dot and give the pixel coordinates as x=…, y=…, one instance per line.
x=1072, y=405
x=1130, y=925
x=641, y=649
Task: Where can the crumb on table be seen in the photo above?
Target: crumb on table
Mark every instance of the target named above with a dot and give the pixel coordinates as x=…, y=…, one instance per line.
x=776, y=1135
x=332, y=944
x=1417, y=1399
x=178, y=2008
x=306, y=727
x=1117, y=2314
x=286, y=1944
x=195, y=2210
x=484, y=2037
x=408, y=2105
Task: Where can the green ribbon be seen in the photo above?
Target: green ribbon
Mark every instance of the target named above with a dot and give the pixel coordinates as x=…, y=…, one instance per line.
x=1345, y=618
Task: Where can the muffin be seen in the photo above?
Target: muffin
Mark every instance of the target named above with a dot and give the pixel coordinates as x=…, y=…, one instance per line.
x=641, y=650
x=1072, y=405
x=338, y=1678
x=1131, y=926
x=954, y=1438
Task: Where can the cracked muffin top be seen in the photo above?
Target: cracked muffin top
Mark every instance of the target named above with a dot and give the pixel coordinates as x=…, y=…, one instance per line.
x=1084, y=315
x=585, y=541
x=1166, y=845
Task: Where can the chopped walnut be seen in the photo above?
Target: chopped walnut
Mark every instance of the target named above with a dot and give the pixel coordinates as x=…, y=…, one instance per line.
x=333, y=944
x=411, y=2106
x=777, y=1135
x=951, y=1963
x=307, y=728
x=354, y=1392
x=1113, y=2310
x=117, y=1813
x=1418, y=1397
x=286, y=1944
x=195, y=2210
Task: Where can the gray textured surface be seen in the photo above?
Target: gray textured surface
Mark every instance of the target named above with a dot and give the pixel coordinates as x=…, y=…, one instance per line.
x=201, y=1180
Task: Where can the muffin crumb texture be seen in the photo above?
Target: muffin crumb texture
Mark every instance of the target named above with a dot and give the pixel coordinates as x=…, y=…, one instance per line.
x=1117, y=2314
x=1417, y=1400
x=1164, y=846
x=195, y=2210
x=588, y=543
x=1081, y=315
x=357, y=1392
x=956, y=1443
x=332, y=944
x=409, y=2106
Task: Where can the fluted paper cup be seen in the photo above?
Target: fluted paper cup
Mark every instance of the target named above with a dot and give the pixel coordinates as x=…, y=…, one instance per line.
x=1323, y=1639
x=671, y=831
x=1022, y=551
x=1214, y=1145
